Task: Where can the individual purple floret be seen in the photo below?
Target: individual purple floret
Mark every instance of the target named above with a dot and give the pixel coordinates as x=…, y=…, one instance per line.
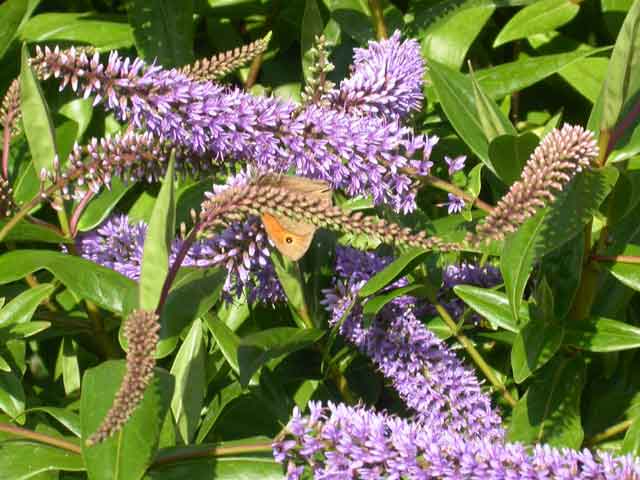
x=427, y=375
x=455, y=164
x=386, y=79
x=339, y=442
x=362, y=155
x=455, y=204
x=242, y=249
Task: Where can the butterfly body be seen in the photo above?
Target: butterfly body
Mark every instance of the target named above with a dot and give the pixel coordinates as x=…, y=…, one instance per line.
x=293, y=238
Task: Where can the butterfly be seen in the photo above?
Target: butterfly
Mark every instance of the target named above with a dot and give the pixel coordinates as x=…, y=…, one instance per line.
x=293, y=238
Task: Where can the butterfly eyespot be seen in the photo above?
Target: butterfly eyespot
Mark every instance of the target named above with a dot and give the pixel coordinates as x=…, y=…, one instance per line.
x=289, y=240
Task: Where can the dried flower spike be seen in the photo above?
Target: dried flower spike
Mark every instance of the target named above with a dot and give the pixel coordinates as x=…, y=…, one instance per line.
x=141, y=331
x=261, y=196
x=223, y=63
x=561, y=154
x=10, y=108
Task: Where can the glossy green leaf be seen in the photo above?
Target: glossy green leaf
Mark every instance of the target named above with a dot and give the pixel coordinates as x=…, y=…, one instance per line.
x=535, y=344
x=163, y=30
x=631, y=442
x=623, y=76
x=289, y=276
x=507, y=78
x=192, y=296
x=127, y=454
x=227, y=341
x=67, y=366
x=254, y=466
x=11, y=14
x=36, y=119
x=494, y=122
x=66, y=417
x=598, y=334
x=376, y=303
x=12, y=398
x=220, y=400
x=455, y=92
x=509, y=153
x=25, y=330
x=354, y=18
x=538, y=17
x=31, y=232
x=401, y=266
x=312, y=25
x=22, y=460
x=103, y=204
x=21, y=308
x=448, y=40
x=102, y=31
x=257, y=349
x=492, y=305
x=550, y=410
x=627, y=273
x=551, y=228
x=157, y=243
x=103, y=286
x=190, y=387
x=80, y=111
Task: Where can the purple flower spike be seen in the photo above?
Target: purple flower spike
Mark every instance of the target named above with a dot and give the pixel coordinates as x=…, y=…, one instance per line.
x=360, y=155
x=455, y=164
x=427, y=375
x=386, y=80
x=338, y=442
x=455, y=204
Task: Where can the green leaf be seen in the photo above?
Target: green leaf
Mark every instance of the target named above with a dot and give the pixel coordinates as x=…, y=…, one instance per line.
x=163, y=30
x=102, y=31
x=402, y=265
x=506, y=78
x=448, y=40
x=598, y=334
x=103, y=204
x=631, y=442
x=12, y=398
x=509, y=153
x=354, y=18
x=538, y=17
x=227, y=341
x=623, y=76
x=36, y=119
x=225, y=467
x=80, y=111
x=494, y=122
x=67, y=366
x=563, y=270
x=376, y=303
x=103, y=286
x=312, y=25
x=66, y=417
x=257, y=349
x=189, y=372
x=492, y=305
x=192, y=295
x=289, y=276
x=627, y=273
x=21, y=459
x=550, y=410
x=456, y=96
x=157, y=243
x=535, y=344
x=32, y=232
x=127, y=454
x=11, y=14
x=220, y=400
x=21, y=308
x=551, y=228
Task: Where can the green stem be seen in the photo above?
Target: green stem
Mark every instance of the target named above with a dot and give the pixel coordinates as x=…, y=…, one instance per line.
x=40, y=437
x=616, y=258
x=608, y=433
x=165, y=458
x=378, y=19
x=458, y=192
x=468, y=345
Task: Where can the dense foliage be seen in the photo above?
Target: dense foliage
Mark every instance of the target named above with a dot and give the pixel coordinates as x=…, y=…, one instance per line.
x=319, y=239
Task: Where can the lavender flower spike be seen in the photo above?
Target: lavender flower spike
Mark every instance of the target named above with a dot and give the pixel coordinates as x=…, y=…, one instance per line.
x=386, y=79
x=427, y=375
x=361, y=155
x=337, y=442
